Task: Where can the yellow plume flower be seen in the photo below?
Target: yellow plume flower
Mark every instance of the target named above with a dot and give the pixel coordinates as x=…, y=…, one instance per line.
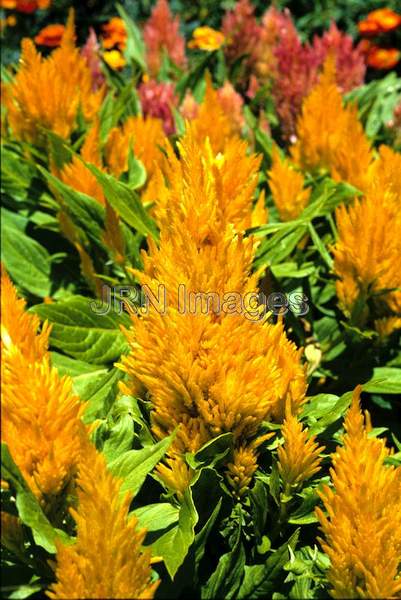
x=208, y=367
x=385, y=172
x=212, y=122
x=77, y=175
x=299, y=456
x=144, y=135
x=287, y=187
x=19, y=328
x=209, y=191
x=329, y=134
x=362, y=528
x=367, y=255
x=40, y=415
x=48, y=92
x=244, y=464
x=107, y=560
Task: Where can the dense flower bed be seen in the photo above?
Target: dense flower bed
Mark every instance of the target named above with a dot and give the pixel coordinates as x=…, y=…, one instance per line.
x=201, y=300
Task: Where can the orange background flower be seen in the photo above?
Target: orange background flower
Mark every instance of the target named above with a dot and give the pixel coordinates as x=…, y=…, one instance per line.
x=51, y=35
x=379, y=21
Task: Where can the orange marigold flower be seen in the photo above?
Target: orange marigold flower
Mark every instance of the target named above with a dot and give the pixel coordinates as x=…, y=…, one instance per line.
x=114, y=34
x=50, y=36
x=40, y=415
x=379, y=21
x=106, y=535
x=299, y=456
x=287, y=187
x=48, y=92
x=25, y=6
x=161, y=33
x=362, y=528
x=206, y=38
x=382, y=58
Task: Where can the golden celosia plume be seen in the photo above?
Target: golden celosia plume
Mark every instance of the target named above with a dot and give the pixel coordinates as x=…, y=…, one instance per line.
x=49, y=92
x=367, y=255
x=362, y=527
x=144, y=135
x=329, y=134
x=40, y=415
x=287, y=187
x=212, y=365
x=299, y=456
x=107, y=559
x=77, y=175
x=212, y=121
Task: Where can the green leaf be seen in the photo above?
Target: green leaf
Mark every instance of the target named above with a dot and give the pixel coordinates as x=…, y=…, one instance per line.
x=385, y=380
x=72, y=367
x=125, y=202
x=260, y=581
x=16, y=174
x=83, y=334
x=135, y=48
x=84, y=211
x=320, y=247
x=29, y=509
x=120, y=438
x=293, y=270
x=98, y=389
x=173, y=546
x=331, y=415
x=226, y=579
x=136, y=172
x=133, y=466
x=203, y=535
x=25, y=259
x=155, y=517
x=305, y=514
x=213, y=453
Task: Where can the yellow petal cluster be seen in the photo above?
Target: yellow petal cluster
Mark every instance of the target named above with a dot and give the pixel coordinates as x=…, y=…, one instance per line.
x=287, y=188
x=49, y=92
x=329, y=135
x=206, y=38
x=40, y=415
x=299, y=456
x=210, y=365
x=362, y=527
x=107, y=559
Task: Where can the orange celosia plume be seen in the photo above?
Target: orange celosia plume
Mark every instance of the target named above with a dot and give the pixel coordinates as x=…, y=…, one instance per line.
x=107, y=559
x=299, y=456
x=48, y=92
x=362, y=528
x=287, y=187
x=329, y=134
x=40, y=415
x=209, y=368
x=367, y=255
